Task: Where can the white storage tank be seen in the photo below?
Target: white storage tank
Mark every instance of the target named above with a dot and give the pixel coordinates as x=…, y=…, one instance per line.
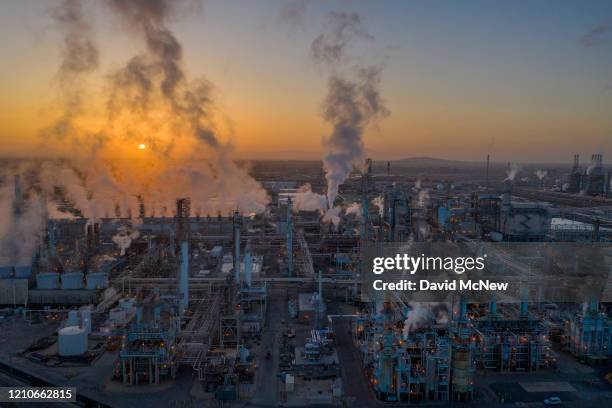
x=47, y=280
x=72, y=341
x=23, y=271
x=72, y=280
x=6, y=271
x=97, y=280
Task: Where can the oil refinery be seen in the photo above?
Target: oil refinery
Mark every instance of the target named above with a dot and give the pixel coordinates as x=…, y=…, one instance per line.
x=267, y=309
x=297, y=203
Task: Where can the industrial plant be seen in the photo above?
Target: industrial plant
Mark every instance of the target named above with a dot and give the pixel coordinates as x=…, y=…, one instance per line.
x=194, y=309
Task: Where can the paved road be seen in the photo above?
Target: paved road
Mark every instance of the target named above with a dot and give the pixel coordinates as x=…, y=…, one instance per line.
x=266, y=393
x=354, y=381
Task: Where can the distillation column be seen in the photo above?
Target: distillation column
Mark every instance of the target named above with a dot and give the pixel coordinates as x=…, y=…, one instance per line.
x=289, y=237
x=237, y=224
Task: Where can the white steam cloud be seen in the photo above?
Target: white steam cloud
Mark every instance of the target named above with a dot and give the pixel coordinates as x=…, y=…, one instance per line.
x=540, y=174
x=351, y=103
x=152, y=102
x=512, y=172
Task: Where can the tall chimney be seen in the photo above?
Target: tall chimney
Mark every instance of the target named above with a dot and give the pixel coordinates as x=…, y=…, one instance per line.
x=576, y=163
x=184, y=276
x=289, y=233
x=18, y=196
x=248, y=266
x=237, y=223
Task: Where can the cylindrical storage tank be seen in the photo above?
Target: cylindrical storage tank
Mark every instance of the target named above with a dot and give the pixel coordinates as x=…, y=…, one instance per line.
x=86, y=320
x=97, y=280
x=47, y=280
x=6, y=271
x=72, y=280
x=72, y=341
x=117, y=316
x=73, y=318
x=23, y=271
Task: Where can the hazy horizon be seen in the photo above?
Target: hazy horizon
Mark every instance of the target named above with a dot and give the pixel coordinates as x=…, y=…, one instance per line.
x=513, y=80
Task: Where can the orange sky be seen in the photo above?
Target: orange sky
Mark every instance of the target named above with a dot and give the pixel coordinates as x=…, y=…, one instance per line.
x=452, y=92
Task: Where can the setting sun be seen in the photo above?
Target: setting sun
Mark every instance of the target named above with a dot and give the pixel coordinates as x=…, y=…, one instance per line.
x=142, y=146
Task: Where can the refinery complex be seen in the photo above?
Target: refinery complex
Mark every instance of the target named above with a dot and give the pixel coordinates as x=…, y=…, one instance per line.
x=299, y=203
x=196, y=309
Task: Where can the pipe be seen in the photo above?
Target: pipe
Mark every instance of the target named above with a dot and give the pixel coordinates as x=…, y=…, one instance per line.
x=18, y=197
x=462, y=309
x=184, y=276
x=237, y=223
x=524, y=303
x=289, y=238
x=248, y=266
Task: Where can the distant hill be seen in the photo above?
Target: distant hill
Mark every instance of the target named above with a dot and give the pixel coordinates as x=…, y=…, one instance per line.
x=432, y=162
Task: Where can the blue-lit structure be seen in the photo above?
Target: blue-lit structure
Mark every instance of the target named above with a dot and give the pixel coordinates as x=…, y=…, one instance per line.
x=149, y=353
x=589, y=335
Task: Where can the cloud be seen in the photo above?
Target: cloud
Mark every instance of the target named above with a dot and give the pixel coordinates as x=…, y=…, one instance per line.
x=597, y=36
x=330, y=46
x=293, y=13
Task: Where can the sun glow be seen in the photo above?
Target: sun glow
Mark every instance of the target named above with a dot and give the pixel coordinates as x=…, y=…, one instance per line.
x=142, y=146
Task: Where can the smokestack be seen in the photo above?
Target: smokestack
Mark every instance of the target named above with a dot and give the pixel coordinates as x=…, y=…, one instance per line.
x=184, y=277
x=462, y=309
x=593, y=305
x=89, y=238
x=388, y=168
x=487, y=171
x=289, y=233
x=18, y=196
x=95, y=238
x=320, y=286
x=319, y=300
x=507, y=195
x=524, y=303
x=141, y=207
x=237, y=224
x=51, y=237
x=248, y=266
x=576, y=163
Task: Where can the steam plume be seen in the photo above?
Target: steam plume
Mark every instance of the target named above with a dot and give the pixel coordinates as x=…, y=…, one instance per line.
x=354, y=209
x=330, y=46
x=597, y=35
x=307, y=200
x=351, y=104
x=150, y=101
x=512, y=172
x=292, y=13
x=419, y=316
x=349, y=107
x=124, y=237
x=540, y=174
x=379, y=203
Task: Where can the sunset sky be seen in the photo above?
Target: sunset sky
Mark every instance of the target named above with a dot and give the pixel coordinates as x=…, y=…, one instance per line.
x=523, y=80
